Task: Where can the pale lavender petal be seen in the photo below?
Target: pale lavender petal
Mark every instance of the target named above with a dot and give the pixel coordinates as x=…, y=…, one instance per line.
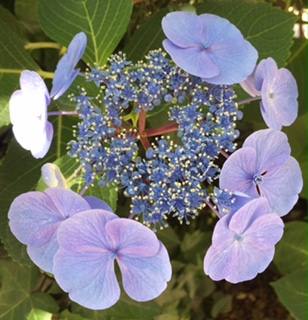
x=184, y=29
x=35, y=216
x=282, y=186
x=266, y=69
x=228, y=50
x=130, y=237
x=265, y=231
x=279, y=100
x=223, y=237
x=86, y=232
x=43, y=142
x=249, y=86
x=145, y=278
x=272, y=149
x=193, y=60
x=96, y=203
x=43, y=256
x=65, y=72
x=88, y=277
x=237, y=172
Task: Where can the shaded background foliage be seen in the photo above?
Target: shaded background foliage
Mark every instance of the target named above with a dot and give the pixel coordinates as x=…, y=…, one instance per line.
x=134, y=28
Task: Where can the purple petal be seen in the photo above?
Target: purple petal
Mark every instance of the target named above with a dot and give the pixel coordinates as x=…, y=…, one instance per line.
x=272, y=149
x=237, y=172
x=184, y=29
x=35, y=216
x=86, y=232
x=65, y=73
x=249, y=86
x=88, y=277
x=43, y=256
x=282, y=186
x=130, y=237
x=96, y=203
x=192, y=60
x=279, y=100
x=145, y=278
x=266, y=69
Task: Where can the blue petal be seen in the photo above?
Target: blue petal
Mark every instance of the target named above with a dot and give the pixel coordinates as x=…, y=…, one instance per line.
x=96, y=203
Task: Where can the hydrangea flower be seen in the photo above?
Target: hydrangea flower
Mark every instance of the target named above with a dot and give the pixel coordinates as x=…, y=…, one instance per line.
x=243, y=242
x=264, y=167
x=209, y=47
x=28, y=113
x=278, y=89
x=36, y=216
x=65, y=72
x=91, y=241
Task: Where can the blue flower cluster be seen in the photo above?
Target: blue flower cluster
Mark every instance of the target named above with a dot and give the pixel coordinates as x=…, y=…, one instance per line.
x=169, y=179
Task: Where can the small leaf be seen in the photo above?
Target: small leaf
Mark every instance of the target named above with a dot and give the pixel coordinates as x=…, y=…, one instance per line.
x=294, y=243
x=292, y=292
x=104, y=22
x=13, y=60
x=17, y=296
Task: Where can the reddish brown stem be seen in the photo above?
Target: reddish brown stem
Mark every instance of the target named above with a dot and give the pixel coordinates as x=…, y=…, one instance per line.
x=142, y=120
x=161, y=130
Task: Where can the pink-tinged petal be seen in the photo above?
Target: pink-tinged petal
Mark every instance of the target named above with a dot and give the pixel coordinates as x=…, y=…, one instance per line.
x=88, y=277
x=86, y=232
x=265, y=231
x=96, y=203
x=237, y=172
x=249, y=86
x=266, y=69
x=222, y=236
x=272, y=149
x=35, y=216
x=67, y=202
x=184, y=29
x=145, y=278
x=130, y=237
x=246, y=215
x=279, y=100
x=282, y=186
x=43, y=256
x=193, y=60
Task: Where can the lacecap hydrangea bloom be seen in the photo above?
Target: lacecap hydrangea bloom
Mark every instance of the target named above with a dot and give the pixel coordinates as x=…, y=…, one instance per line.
x=264, y=167
x=278, y=91
x=243, y=242
x=28, y=106
x=209, y=47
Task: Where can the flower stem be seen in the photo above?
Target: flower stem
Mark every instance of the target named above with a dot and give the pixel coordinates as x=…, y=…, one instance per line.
x=224, y=154
x=44, y=74
x=62, y=113
x=42, y=45
x=248, y=100
x=213, y=208
x=162, y=130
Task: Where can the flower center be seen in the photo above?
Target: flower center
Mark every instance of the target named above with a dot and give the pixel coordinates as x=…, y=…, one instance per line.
x=112, y=255
x=257, y=179
x=239, y=238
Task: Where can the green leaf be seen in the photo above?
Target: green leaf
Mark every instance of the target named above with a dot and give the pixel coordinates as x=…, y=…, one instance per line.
x=222, y=305
x=20, y=173
x=148, y=37
x=17, y=295
x=37, y=314
x=104, y=22
x=26, y=11
x=292, y=292
x=13, y=60
x=66, y=315
x=297, y=64
x=269, y=29
x=294, y=243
